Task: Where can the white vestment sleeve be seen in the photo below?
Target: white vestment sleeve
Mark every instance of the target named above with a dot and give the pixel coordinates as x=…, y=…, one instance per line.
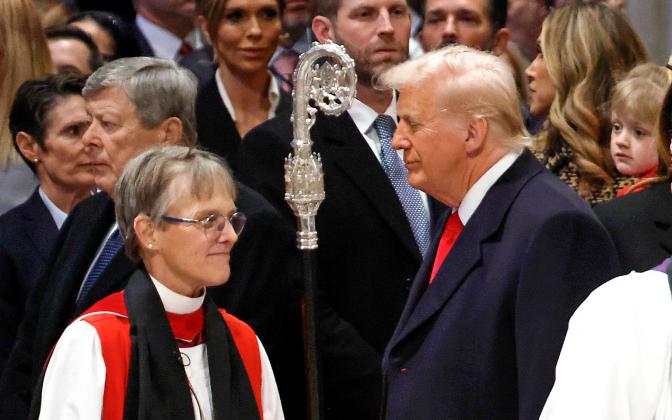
x=270, y=398
x=615, y=361
x=74, y=382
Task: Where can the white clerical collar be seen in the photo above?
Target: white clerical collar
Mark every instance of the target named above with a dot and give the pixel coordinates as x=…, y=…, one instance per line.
x=176, y=303
x=164, y=43
x=57, y=214
x=363, y=116
x=477, y=192
x=273, y=95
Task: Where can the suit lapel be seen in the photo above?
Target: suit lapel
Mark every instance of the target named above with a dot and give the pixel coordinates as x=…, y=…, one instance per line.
x=41, y=228
x=345, y=146
x=466, y=252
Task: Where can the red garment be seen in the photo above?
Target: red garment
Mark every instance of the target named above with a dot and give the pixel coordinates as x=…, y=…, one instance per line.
x=627, y=190
x=110, y=319
x=448, y=237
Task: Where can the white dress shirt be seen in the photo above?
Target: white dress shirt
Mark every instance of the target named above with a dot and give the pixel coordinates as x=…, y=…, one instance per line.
x=57, y=214
x=615, y=362
x=472, y=199
x=164, y=43
x=74, y=382
x=273, y=95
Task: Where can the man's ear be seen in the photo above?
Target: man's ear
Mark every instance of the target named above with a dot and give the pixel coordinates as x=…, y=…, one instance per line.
x=172, y=130
x=501, y=42
x=322, y=28
x=28, y=146
x=145, y=232
x=477, y=132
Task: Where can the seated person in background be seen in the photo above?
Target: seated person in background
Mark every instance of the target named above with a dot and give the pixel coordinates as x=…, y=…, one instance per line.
x=635, y=108
x=175, y=209
x=47, y=121
x=640, y=224
x=72, y=48
x=113, y=35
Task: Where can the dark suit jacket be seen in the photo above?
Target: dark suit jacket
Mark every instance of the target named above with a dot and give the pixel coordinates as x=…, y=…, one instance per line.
x=27, y=233
x=639, y=225
x=482, y=341
x=366, y=256
x=217, y=132
x=53, y=301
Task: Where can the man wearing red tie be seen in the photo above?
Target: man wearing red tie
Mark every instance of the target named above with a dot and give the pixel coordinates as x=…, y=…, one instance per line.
x=487, y=313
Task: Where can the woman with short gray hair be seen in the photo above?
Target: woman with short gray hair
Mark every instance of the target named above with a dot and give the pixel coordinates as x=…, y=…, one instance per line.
x=161, y=349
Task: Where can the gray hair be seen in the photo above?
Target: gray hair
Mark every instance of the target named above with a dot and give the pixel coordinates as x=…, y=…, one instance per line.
x=145, y=185
x=468, y=81
x=158, y=88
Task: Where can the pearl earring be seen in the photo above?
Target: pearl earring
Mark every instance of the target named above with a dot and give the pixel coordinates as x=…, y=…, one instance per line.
x=36, y=160
x=149, y=245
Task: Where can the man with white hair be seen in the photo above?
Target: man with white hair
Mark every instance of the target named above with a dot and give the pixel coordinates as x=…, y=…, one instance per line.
x=488, y=310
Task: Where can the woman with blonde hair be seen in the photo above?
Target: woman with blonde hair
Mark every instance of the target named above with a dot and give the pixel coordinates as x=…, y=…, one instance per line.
x=585, y=48
x=24, y=55
x=635, y=110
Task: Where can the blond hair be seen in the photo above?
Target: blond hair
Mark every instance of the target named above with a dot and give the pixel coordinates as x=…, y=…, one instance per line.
x=586, y=47
x=468, y=81
x=24, y=55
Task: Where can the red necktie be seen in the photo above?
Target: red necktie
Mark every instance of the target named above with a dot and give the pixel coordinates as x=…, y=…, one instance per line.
x=284, y=66
x=185, y=49
x=448, y=237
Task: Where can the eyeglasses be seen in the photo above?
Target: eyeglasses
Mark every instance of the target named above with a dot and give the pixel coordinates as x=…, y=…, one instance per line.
x=213, y=224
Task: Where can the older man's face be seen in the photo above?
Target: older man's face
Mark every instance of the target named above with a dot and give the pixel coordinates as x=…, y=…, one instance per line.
x=433, y=144
x=463, y=22
x=115, y=135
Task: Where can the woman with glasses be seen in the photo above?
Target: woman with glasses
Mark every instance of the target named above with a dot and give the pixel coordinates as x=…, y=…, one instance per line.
x=161, y=349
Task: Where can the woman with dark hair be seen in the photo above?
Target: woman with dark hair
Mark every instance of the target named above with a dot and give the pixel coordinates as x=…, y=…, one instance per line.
x=161, y=349
x=242, y=93
x=112, y=35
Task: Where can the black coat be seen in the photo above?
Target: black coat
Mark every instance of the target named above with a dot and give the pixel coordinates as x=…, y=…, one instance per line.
x=27, y=233
x=257, y=291
x=367, y=255
x=639, y=224
x=217, y=132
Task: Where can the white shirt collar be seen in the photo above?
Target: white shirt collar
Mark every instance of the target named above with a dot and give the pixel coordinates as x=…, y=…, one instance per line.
x=176, y=303
x=477, y=192
x=363, y=116
x=273, y=95
x=57, y=214
x=164, y=43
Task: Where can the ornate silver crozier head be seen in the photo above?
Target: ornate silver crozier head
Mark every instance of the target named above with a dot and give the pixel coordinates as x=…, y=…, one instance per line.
x=324, y=79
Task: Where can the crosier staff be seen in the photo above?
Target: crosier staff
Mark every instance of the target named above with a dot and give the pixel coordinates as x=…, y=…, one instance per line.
x=324, y=79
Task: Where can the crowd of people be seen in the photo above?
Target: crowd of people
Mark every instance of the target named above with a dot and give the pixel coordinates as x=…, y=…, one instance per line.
x=494, y=242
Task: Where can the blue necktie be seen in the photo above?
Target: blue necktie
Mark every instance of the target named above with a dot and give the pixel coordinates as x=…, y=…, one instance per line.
x=111, y=248
x=396, y=172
